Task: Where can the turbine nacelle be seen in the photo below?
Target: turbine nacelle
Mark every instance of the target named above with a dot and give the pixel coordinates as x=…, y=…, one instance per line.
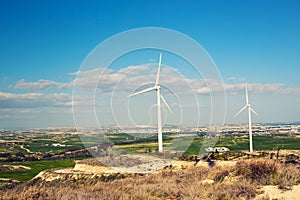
x=150, y=89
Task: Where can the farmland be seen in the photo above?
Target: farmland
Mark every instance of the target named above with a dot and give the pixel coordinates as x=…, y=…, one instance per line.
x=42, y=150
x=34, y=168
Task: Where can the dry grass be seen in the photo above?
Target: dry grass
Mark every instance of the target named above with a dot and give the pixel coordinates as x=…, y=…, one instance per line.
x=237, y=182
x=260, y=171
x=288, y=176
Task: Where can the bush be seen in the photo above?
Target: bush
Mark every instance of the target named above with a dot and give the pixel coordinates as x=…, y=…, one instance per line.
x=221, y=175
x=259, y=171
x=288, y=176
x=240, y=190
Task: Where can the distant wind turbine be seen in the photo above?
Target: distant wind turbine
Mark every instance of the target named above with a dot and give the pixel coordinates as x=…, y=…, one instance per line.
x=159, y=96
x=248, y=106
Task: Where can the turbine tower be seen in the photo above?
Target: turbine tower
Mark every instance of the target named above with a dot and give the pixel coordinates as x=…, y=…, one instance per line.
x=248, y=106
x=159, y=97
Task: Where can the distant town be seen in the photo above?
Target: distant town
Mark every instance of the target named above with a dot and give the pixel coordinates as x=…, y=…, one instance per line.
x=62, y=143
x=266, y=128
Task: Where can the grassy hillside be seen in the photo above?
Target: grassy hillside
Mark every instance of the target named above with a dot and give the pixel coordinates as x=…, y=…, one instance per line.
x=36, y=167
x=240, y=181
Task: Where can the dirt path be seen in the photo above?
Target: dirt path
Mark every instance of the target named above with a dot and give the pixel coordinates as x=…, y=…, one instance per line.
x=22, y=147
x=274, y=193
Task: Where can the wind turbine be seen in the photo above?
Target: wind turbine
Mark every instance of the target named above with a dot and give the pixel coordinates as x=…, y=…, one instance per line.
x=159, y=97
x=248, y=106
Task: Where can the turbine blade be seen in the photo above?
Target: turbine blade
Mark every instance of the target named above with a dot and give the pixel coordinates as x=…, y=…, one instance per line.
x=240, y=111
x=254, y=112
x=165, y=102
x=158, y=70
x=247, y=100
x=142, y=91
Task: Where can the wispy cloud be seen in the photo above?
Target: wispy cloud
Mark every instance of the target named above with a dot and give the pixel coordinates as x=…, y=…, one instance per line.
x=40, y=85
x=134, y=69
x=231, y=79
x=127, y=80
x=132, y=77
x=12, y=113
x=295, y=91
x=3, y=79
x=33, y=100
x=254, y=88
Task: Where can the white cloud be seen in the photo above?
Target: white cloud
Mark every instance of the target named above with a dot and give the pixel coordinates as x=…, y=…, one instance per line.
x=40, y=85
x=11, y=113
x=134, y=69
x=92, y=71
x=90, y=79
x=3, y=79
x=33, y=100
x=239, y=88
x=29, y=111
x=257, y=88
x=127, y=80
x=295, y=91
x=133, y=77
x=231, y=79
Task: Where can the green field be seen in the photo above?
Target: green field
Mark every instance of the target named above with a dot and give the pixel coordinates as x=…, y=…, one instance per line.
x=128, y=142
x=233, y=142
x=42, y=143
x=260, y=142
x=36, y=167
x=131, y=144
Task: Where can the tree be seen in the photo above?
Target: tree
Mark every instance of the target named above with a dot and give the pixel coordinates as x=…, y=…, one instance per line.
x=20, y=154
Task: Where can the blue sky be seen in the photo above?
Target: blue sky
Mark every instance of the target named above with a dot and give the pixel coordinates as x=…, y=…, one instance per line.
x=253, y=41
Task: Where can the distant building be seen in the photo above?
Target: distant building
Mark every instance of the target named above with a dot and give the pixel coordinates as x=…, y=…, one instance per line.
x=58, y=145
x=218, y=149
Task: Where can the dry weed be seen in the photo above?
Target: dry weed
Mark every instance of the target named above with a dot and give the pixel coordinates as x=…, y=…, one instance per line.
x=186, y=184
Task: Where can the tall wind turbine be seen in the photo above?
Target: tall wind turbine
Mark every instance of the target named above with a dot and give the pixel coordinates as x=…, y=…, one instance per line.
x=248, y=106
x=159, y=96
